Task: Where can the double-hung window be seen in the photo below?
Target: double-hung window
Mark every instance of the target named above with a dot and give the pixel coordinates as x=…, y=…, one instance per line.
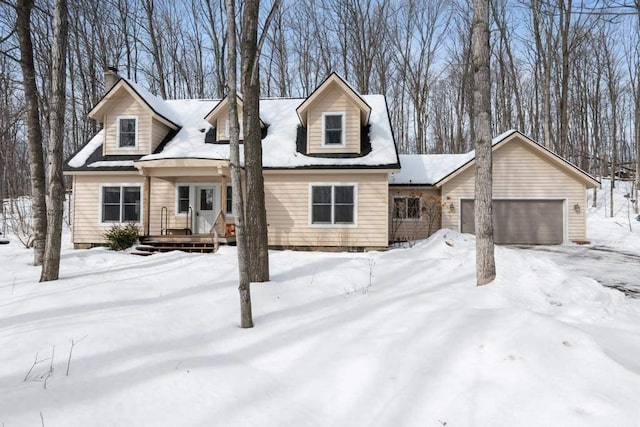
x=333, y=204
x=229, y=200
x=406, y=208
x=121, y=203
x=333, y=128
x=183, y=199
x=127, y=132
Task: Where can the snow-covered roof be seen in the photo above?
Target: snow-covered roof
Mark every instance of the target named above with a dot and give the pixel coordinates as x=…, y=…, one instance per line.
x=429, y=169
x=156, y=103
x=426, y=169
x=279, y=145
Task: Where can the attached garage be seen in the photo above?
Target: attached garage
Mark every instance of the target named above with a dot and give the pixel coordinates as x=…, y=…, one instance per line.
x=521, y=221
x=539, y=197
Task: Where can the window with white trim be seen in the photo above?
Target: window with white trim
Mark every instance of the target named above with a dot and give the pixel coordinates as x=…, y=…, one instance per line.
x=333, y=204
x=333, y=132
x=127, y=132
x=229, y=198
x=121, y=204
x=183, y=198
x=406, y=208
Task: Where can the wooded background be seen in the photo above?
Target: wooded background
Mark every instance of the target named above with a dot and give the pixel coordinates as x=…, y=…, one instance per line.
x=563, y=72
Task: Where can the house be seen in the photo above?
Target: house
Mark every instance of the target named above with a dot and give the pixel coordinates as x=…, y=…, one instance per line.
x=165, y=166
x=332, y=175
x=538, y=197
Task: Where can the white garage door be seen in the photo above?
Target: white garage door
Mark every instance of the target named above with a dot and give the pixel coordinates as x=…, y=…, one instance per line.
x=526, y=222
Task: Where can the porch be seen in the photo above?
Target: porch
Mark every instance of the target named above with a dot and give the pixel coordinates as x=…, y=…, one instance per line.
x=198, y=243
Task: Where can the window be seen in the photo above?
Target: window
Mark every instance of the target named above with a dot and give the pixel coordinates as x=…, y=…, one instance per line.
x=229, y=209
x=406, y=207
x=127, y=132
x=183, y=202
x=333, y=129
x=333, y=204
x=121, y=204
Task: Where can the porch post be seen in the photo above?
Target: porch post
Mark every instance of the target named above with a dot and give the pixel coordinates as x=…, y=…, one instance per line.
x=147, y=203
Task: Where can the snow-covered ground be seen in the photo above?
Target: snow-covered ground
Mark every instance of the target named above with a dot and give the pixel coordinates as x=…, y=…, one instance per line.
x=396, y=338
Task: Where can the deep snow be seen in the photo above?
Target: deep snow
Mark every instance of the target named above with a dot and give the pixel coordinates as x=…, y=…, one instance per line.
x=396, y=338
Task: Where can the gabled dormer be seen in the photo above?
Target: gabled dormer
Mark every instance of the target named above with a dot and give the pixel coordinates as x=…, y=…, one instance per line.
x=334, y=119
x=218, y=118
x=135, y=122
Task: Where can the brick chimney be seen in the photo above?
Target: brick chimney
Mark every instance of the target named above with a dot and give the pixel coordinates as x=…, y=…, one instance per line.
x=111, y=77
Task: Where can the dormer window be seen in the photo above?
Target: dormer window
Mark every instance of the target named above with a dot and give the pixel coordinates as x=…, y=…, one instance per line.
x=127, y=132
x=333, y=124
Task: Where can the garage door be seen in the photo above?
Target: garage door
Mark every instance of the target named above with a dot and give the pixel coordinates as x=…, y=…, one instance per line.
x=527, y=222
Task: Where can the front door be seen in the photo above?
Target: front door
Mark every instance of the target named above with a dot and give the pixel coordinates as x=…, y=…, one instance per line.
x=207, y=205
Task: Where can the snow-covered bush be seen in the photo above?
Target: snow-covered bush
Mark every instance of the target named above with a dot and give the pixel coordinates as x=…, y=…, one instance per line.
x=121, y=237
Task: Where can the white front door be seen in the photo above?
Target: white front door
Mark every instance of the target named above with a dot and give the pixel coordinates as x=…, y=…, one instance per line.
x=207, y=206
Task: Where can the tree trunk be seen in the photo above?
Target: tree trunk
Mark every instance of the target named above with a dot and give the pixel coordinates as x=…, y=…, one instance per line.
x=244, y=287
x=485, y=263
x=34, y=129
x=256, y=221
x=51, y=265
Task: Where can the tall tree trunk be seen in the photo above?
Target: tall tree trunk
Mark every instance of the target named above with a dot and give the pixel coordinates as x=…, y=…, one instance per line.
x=256, y=221
x=34, y=129
x=485, y=262
x=51, y=264
x=244, y=287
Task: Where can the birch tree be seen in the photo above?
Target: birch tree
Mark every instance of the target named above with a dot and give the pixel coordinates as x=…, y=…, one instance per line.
x=485, y=262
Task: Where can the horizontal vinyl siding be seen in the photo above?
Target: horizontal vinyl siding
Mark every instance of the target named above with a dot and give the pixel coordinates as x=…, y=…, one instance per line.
x=158, y=132
x=519, y=172
x=86, y=202
x=287, y=202
x=127, y=105
x=333, y=100
x=411, y=229
x=163, y=194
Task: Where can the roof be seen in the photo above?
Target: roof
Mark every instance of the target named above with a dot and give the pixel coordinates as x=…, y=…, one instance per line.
x=335, y=78
x=437, y=169
x=279, y=144
x=156, y=105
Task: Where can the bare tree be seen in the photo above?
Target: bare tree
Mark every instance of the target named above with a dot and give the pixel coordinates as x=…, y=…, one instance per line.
x=246, y=318
x=51, y=262
x=256, y=221
x=24, y=10
x=485, y=262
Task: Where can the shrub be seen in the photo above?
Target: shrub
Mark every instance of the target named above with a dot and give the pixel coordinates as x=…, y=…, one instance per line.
x=121, y=237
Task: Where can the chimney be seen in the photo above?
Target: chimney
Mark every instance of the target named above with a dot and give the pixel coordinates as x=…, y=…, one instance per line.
x=111, y=77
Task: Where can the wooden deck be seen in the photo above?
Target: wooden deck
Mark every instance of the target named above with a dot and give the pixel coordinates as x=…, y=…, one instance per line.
x=199, y=243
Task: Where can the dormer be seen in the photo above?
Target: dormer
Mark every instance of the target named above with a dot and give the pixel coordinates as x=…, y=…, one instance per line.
x=135, y=122
x=218, y=118
x=333, y=119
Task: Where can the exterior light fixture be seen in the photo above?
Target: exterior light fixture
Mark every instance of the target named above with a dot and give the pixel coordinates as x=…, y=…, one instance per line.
x=452, y=208
x=576, y=208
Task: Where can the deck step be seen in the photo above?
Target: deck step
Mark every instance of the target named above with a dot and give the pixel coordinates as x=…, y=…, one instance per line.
x=142, y=253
